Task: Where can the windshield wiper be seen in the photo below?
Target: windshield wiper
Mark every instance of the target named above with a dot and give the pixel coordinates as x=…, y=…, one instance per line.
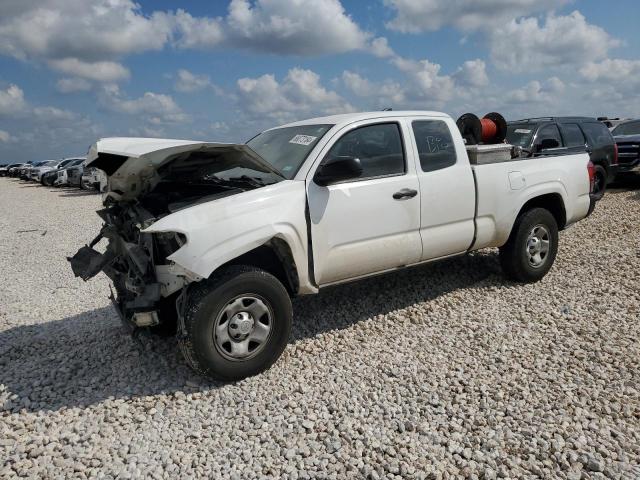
x=241, y=180
x=257, y=181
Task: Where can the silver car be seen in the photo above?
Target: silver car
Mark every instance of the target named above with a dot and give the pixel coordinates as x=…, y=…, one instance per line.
x=35, y=173
x=70, y=176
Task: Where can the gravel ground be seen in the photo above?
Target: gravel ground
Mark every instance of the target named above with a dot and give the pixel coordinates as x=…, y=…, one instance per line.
x=443, y=371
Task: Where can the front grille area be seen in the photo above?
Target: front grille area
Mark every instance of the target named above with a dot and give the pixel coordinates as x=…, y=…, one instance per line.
x=628, y=153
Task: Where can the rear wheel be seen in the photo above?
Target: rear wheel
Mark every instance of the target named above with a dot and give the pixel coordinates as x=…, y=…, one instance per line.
x=532, y=247
x=599, y=182
x=237, y=324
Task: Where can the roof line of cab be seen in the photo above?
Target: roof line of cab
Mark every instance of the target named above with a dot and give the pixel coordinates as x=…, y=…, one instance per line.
x=347, y=118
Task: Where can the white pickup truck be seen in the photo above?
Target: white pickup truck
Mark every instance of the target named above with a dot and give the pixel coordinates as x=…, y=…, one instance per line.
x=214, y=239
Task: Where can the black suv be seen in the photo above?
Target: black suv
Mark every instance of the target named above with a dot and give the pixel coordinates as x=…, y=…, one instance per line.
x=627, y=137
x=566, y=135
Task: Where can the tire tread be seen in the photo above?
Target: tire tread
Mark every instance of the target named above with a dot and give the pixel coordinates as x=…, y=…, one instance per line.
x=510, y=253
x=195, y=300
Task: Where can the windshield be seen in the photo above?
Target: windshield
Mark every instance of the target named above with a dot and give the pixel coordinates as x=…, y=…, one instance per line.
x=287, y=148
x=631, y=128
x=520, y=134
x=49, y=164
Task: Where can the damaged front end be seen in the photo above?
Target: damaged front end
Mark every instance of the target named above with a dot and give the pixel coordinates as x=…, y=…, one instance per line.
x=144, y=280
x=147, y=181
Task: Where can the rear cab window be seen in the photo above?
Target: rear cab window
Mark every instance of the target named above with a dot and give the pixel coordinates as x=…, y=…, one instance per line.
x=435, y=144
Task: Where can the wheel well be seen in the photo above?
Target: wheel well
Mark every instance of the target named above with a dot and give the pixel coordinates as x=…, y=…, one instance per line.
x=552, y=202
x=602, y=164
x=274, y=257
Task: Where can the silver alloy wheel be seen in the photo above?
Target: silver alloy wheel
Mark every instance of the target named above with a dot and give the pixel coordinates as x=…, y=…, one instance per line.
x=243, y=327
x=538, y=246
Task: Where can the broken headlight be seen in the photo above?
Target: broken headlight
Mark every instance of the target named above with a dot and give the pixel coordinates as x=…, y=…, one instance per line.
x=168, y=243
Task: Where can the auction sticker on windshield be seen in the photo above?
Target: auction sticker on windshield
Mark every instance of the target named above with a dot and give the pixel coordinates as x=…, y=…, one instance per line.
x=522, y=130
x=303, y=140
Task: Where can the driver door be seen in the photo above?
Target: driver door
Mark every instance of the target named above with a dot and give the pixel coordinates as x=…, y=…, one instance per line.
x=364, y=225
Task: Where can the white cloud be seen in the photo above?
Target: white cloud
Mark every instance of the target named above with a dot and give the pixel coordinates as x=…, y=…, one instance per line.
x=472, y=73
x=427, y=85
x=149, y=103
x=197, y=32
x=382, y=95
x=614, y=83
x=88, y=31
x=536, y=92
x=98, y=71
x=74, y=84
x=612, y=70
x=188, y=82
x=300, y=93
x=146, y=131
x=88, y=39
x=12, y=100
x=219, y=127
x=526, y=45
x=555, y=85
x=154, y=108
x=289, y=27
x=5, y=137
x=380, y=48
x=14, y=105
x=48, y=114
x=414, y=16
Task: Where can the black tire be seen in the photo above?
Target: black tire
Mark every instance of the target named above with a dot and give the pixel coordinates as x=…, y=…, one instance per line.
x=207, y=301
x=515, y=257
x=600, y=182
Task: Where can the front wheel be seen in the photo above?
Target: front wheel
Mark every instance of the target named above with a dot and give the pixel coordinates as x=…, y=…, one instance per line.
x=532, y=246
x=236, y=324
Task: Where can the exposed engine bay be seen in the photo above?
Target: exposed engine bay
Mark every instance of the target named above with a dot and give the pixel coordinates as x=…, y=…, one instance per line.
x=145, y=281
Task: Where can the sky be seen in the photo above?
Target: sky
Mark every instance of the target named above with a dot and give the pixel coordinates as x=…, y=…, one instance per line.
x=73, y=71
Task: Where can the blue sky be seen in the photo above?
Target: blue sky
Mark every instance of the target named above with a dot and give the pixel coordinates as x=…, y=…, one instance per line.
x=72, y=71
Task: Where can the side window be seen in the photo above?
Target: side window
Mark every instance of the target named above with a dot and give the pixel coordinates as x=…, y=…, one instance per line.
x=435, y=145
x=548, y=137
x=379, y=148
x=597, y=133
x=572, y=135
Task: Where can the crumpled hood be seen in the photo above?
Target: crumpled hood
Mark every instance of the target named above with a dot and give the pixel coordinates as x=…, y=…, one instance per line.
x=132, y=164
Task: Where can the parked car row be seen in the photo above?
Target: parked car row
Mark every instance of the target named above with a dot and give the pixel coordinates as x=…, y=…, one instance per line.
x=68, y=172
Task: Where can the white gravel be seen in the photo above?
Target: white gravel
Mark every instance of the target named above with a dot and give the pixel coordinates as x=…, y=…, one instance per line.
x=444, y=371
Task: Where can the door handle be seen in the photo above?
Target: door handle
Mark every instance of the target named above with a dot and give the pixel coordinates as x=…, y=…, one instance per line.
x=405, y=193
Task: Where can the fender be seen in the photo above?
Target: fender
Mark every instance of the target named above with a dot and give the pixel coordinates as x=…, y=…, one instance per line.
x=223, y=229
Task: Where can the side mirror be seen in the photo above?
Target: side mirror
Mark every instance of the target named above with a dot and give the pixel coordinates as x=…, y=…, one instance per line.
x=549, y=143
x=337, y=169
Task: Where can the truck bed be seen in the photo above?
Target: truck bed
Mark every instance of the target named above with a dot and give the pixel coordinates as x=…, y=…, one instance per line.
x=503, y=187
